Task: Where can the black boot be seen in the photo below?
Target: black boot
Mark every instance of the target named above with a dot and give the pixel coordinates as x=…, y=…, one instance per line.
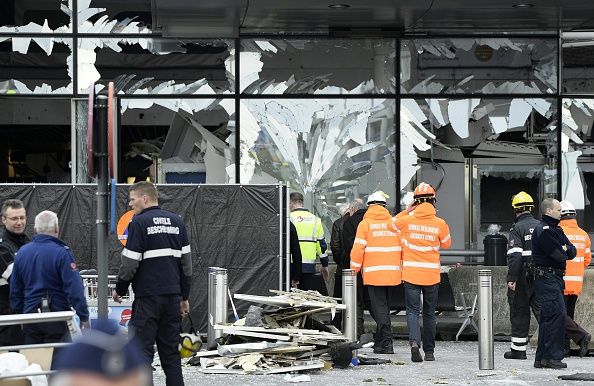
x=515, y=354
x=585, y=345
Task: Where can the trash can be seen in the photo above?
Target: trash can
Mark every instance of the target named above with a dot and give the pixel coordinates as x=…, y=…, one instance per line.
x=495, y=249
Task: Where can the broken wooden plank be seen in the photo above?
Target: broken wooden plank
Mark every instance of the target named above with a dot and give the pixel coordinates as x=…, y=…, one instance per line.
x=282, y=301
x=252, y=334
x=310, y=366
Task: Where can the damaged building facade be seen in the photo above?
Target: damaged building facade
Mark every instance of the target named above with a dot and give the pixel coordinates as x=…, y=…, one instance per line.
x=480, y=116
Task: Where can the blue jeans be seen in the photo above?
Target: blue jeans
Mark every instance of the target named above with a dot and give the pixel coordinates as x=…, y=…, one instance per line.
x=412, y=293
x=551, y=329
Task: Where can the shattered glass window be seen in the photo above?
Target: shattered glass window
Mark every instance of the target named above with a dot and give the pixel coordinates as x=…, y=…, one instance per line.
x=478, y=153
x=479, y=65
x=156, y=66
x=117, y=17
x=35, y=140
x=178, y=140
x=35, y=65
x=34, y=16
x=578, y=66
x=577, y=147
x=331, y=150
x=321, y=66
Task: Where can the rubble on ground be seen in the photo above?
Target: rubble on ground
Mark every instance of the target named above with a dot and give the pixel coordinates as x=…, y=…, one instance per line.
x=285, y=335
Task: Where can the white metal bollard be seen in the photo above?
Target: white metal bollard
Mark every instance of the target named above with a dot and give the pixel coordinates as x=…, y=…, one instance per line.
x=217, y=302
x=486, y=355
x=349, y=298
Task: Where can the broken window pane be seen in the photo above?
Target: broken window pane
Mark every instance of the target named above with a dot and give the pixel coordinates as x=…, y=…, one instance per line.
x=34, y=16
x=323, y=66
x=34, y=140
x=478, y=153
x=331, y=150
x=479, y=65
x=35, y=65
x=577, y=145
x=108, y=16
x=178, y=140
x=156, y=66
x=578, y=66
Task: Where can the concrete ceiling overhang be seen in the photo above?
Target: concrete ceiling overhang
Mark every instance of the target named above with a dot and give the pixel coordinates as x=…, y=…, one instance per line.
x=230, y=18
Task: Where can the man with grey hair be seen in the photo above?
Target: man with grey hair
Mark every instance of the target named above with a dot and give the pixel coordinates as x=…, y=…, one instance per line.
x=550, y=250
x=45, y=278
x=14, y=219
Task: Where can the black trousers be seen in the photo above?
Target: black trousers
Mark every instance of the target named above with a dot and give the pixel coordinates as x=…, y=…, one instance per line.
x=380, y=307
x=521, y=301
x=573, y=331
x=54, y=332
x=363, y=302
x=337, y=321
x=157, y=319
x=314, y=282
x=570, y=301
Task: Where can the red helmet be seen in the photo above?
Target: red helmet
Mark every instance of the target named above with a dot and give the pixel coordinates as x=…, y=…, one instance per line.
x=424, y=190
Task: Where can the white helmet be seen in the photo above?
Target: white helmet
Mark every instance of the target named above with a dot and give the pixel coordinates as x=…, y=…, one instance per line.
x=378, y=197
x=567, y=208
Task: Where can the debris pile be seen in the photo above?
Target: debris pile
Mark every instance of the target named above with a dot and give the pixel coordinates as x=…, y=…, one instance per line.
x=284, y=335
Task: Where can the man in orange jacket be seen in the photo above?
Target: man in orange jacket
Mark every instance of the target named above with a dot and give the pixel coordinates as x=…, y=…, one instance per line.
x=574, y=274
x=376, y=252
x=422, y=236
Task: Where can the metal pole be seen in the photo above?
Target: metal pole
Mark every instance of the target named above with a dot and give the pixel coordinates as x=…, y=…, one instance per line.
x=486, y=357
x=102, y=199
x=349, y=298
x=217, y=302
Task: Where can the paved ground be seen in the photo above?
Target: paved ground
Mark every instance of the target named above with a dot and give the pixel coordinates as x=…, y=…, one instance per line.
x=456, y=364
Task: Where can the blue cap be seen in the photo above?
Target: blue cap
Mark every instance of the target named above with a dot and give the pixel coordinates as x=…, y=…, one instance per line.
x=105, y=350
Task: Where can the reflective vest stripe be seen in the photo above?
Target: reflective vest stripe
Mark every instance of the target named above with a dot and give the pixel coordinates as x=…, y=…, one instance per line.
x=383, y=249
x=526, y=253
x=514, y=250
x=573, y=278
x=163, y=252
x=576, y=260
x=360, y=241
x=419, y=248
x=588, y=250
x=308, y=239
x=382, y=268
x=445, y=239
x=355, y=264
x=131, y=254
x=419, y=264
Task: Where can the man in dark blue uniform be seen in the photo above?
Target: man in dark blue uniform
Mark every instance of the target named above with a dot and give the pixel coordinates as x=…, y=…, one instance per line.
x=157, y=262
x=550, y=250
x=45, y=278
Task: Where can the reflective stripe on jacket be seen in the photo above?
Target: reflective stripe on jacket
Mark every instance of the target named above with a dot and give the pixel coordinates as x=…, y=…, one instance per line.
x=574, y=269
x=311, y=238
x=423, y=234
x=377, y=251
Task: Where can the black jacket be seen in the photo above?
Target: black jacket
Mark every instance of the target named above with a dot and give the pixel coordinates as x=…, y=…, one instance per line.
x=295, y=250
x=10, y=243
x=551, y=248
x=519, y=248
x=349, y=231
x=337, y=243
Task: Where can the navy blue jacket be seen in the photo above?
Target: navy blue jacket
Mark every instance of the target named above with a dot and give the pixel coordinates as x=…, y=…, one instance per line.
x=46, y=266
x=157, y=258
x=548, y=240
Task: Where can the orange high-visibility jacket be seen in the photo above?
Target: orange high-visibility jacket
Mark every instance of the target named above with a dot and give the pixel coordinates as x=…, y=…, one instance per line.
x=574, y=269
x=422, y=234
x=376, y=251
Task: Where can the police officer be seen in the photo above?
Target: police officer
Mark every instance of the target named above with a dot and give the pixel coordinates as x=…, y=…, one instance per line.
x=520, y=293
x=312, y=243
x=550, y=250
x=14, y=218
x=157, y=262
x=45, y=278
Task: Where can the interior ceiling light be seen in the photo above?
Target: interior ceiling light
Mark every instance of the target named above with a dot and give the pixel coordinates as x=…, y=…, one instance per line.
x=338, y=6
x=523, y=5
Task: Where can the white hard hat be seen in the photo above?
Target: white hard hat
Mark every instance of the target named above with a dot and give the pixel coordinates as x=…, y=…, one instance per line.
x=378, y=197
x=567, y=208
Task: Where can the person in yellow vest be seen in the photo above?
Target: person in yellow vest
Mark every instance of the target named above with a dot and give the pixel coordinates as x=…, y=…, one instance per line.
x=574, y=272
x=312, y=243
x=422, y=236
x=376, y=252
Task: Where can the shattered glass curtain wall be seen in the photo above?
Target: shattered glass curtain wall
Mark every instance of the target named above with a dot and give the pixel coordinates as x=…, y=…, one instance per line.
x=332, y=150
x=478, y=152
x=577, y=146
